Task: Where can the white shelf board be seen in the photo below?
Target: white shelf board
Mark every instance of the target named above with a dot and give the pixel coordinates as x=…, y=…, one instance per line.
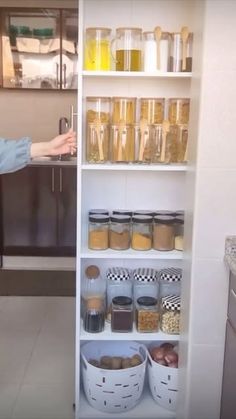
x=136, y=167
x=107, y=334
x=130, y=254
x=137, y=74
x=146, y=408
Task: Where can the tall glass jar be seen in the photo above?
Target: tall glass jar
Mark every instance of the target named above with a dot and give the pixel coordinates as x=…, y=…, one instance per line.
x=124, y=110
x=141, y=232
x=119, y=232
x=143, y=143
x=97, y=122
x=97, y=49
x=119, y=283
x=128, y=55
x=170, y=281
x=178, y=110
x=147, y=315
x=176, y=52
x=145, y=283
x=163, y=233
x=152, y=109
x=182, y=143
x=122, y=143
x=162, y=49
x=98, y=232
x=170, y=315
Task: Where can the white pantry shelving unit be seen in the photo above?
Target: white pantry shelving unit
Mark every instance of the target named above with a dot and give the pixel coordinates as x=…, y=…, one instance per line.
x=126, y=186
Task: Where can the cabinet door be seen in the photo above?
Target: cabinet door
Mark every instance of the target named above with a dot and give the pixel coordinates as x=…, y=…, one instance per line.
x=29, y=212
x=69, y=49
x=31, y=48
x=228, y=401
x=67, y=211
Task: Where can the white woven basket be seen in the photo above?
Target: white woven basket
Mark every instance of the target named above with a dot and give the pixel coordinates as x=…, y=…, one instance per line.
x=163, y=383
x=113, y=391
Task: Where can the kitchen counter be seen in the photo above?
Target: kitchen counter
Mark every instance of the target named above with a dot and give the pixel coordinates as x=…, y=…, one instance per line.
x=230, y=253
x=44, y=161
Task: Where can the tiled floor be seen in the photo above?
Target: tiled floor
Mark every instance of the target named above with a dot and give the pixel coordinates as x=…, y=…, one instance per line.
x=37, y=357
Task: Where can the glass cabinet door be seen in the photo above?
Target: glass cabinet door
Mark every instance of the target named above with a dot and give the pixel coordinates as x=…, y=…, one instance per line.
x=69, y=48
x=31, y=48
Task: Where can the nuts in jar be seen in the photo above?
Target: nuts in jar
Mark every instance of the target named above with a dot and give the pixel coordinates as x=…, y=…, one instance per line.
x=147, y=316
x=170, y=315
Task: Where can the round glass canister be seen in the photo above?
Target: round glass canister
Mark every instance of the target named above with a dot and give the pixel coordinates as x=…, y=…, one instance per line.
x=147, y=315
x=128, y=55
x=152, y=110
x=119, y=283
x=178, y=110
x=170, y=315
x=170, y=281
x=163, y=233
x=97, y=138
x=141, y=232
x=98, y=232
x=119, y=232
x=145, y=283
x=97, y=49
x=122, y=314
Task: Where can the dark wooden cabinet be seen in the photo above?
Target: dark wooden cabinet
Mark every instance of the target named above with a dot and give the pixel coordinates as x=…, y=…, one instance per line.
x=39, y=211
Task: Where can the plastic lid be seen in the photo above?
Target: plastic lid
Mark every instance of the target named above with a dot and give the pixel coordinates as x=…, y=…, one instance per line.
x=145, y=274
x=170, y=274
x=145, y=212
x=143, y=219
x=171, y=302
x=123, y=212
x=99, y=218
x=92, y=272
x=164, y=219
x=165, y=212
x=122, y=300
x=118, y=274
x=179, y=220
x=147, y=301
x=122, y=219
x=98, y=211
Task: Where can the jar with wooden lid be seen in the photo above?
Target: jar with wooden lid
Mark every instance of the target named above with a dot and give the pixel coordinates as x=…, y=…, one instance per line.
x=145, y=283
x=119, y=283
x=119, y=232
x=122, y=314
x=163, y=233
x=170, y=281
x=98, y=235
x=170, y=315
x=178, y=110
x=152, y=110
x=147, y=315
x=141, y=232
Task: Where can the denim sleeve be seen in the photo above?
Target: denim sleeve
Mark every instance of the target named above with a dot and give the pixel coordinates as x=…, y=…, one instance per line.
x=14, y=154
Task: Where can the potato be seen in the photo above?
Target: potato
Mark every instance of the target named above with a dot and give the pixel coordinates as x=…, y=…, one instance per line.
x=126, y=363
x=105, y=362
x=136, y=360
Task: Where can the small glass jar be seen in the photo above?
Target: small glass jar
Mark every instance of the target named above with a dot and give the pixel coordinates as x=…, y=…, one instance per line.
x=98, y=232
x=170, y=281
x=119, y=232
x=152, y=110
x=170, y=315
x=143, y=143
x=179, y=233
x=163, y=233
x=94, y=320
x=122, y=314
x=119, y=283
x=147, y=315
x=122, y=143
x=145, y=283
x=178, y=110
x=141, y=232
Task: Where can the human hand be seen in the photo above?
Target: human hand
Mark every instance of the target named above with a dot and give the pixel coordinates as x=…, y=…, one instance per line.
x=62, y=144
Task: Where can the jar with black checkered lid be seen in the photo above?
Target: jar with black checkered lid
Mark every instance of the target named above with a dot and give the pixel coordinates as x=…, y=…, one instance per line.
x=119, y=284
x=145, y=282
x=170, y=281
x=170, y=315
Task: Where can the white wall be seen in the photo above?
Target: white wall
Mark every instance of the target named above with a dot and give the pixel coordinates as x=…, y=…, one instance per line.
x=214, y=212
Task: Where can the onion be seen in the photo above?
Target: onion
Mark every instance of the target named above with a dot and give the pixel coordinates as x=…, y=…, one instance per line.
x=157, y=353
x=173, y=365
x=162, y=362
x=171, y=357
x=167, y=346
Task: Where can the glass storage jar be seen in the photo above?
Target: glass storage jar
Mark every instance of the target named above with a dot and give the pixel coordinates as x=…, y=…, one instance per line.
x=119, y=232
x=176, y=52
x=162, y=144
x=94, y=319
x=145, y=283
x=124, y=110
x=147, y=315
x=98, y=232
x=149, y=51
x=143, y=143
x=93, y=289
x=152, y=109
x=122, y=314
x=128, y=49
x=141, y=232
x=97, y=49
x=178, y=110
x=182, y=143
x=119, y=283
x=163, y=233
x=179, y=233
x=170, y=315
x=170, y=281
x=122, y=143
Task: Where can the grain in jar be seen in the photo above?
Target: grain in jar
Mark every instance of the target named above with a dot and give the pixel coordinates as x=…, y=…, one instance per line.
x=98, y=232
x=124, y=110
x=152, y=110
x=161, y=145
x=119, y=232
x=163, y=233
x=141, y=232
x=178, y=110
x=170, y=281
x=143, y=143
x=182, y=143
x=122, y=143
x=145, y=282
x=119, y=283
x=170, y=315
x=147, y=315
